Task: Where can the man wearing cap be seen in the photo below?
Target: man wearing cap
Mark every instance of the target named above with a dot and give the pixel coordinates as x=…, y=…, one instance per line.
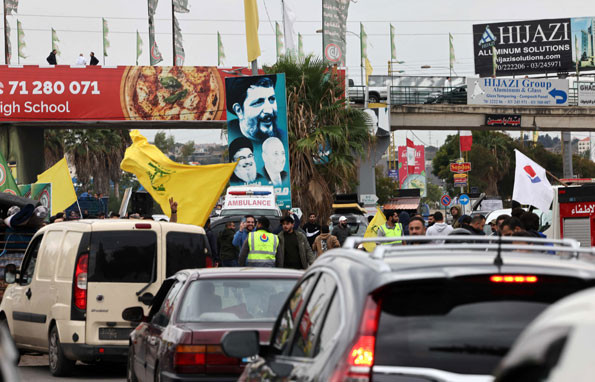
x=392, y=228
x=341, y=230
x=262, y=248
x=241, y=150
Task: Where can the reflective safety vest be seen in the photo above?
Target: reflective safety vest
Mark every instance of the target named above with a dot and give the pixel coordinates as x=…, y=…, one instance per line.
x=392, y=232
x=262, y=247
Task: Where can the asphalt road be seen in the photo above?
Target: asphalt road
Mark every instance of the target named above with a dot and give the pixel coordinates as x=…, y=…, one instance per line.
x=35, y=368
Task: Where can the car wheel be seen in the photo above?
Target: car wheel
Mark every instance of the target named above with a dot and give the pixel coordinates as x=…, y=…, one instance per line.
x=130, y=374
x=60, y=366
x=4, y=327
x=373, y=98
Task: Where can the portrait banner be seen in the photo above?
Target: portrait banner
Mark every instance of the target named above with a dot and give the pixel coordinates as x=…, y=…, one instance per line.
x=334, y=30
x=257, y=133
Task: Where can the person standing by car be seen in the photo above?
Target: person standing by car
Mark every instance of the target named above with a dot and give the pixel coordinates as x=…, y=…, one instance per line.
x=455, y=211
x=296, y=252
x=261, y=248
x=325, y=241
x=245, y=228
x=392, y=228
x=341, y=230
x=440, y=228
x=312, y=228
x=228, y=253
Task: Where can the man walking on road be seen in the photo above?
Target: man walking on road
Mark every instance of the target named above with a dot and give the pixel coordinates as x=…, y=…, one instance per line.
x=341, y=230
x=312, y=228
x=296, y=252
x=262, y=248
x=245, y=228
x=392, y=228
x=325, y=241
x=440, y=228
x=228, y=253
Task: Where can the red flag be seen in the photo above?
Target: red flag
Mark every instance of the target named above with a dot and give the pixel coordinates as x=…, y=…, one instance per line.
x=410, y=156
x=466, y=140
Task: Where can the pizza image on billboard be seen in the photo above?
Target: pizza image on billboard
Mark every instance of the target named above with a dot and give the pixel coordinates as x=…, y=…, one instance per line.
x=172, y=93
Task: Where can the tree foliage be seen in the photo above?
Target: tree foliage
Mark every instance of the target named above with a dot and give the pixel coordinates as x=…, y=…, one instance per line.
x=165, y=143
x=327, y=137
x=385, y=187
x=493, y=163
x=186, y=151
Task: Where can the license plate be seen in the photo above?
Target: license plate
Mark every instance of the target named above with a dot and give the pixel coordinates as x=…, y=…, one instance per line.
x=114, y=333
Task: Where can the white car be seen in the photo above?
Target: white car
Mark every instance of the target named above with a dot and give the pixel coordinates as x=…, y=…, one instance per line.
x=557, y=346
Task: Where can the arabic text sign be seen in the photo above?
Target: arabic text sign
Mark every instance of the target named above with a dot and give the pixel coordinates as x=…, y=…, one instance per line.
x=460, y=180
x=460, y=167
x=511, y=91
x=417, y=177
x=334, y=27
x=582, y=209
x=586, y=93
x=503, y=120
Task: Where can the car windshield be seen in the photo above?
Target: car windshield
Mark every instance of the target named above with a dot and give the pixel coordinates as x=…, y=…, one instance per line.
x=355, y=228
x=229, y=300
x=465, y=325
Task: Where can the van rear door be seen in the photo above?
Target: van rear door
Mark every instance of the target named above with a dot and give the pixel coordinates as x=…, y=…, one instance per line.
x=121, y=264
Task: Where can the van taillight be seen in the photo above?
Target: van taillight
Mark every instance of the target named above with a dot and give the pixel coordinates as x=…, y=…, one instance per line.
x=508, y=279
x=358, y=361
x=142, y=226
x=80, y=282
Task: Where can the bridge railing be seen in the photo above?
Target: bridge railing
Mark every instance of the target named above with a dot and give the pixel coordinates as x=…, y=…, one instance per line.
x=403, y=95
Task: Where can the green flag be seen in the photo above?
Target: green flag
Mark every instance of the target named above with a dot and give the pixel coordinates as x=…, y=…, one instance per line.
x=55, y=41
x=180, y=55
x=393, y=47
x=451, y=51
x=363, y=41
x=181, y=6
x=11, y=6
x=279, y=40
x=220, y=51
x=154, y=53
x=300, y=47
x=105, y=40
x=7, y=182
x=20, y=40
x=494, y=60
x=139, y=46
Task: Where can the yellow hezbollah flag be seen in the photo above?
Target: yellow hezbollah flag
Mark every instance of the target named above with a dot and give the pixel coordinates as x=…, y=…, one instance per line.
x=251, y=15
x=63, y=194
x=369, y=70
x=372, y=229
x=196, y=189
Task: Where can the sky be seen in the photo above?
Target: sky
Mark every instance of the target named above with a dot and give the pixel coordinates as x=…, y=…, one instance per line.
x=422, y=29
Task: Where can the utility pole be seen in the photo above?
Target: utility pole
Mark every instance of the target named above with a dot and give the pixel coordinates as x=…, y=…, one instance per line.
x=6, y=52
x=173, y=33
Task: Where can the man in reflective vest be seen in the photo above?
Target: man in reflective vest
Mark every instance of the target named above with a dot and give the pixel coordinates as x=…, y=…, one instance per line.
x=392, y=228
x=261, y=249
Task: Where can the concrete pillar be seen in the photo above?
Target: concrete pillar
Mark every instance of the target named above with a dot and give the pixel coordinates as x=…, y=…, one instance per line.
x=367, y=174
x=27, y=149
x=567, y=155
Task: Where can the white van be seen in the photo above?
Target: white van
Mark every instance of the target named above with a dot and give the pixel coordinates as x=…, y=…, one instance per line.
x=250, y=200
x=76, y=278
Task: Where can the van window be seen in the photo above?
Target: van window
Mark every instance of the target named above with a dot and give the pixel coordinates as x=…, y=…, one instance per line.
x=123, y=256
x=68, y=251
x=28, y=266
x=185, y=250
x=50, y=254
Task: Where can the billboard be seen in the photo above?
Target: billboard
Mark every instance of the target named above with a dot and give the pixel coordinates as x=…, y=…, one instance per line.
x=157, y=93
x=517, y=91
x=586, y=93
x=417, y=177
x=257, y=133
x=38, y=191
x=535, y=46
x=334, y=30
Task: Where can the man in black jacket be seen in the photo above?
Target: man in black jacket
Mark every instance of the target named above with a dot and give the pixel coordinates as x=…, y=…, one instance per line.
x=93, y=60
x=52, y=58
x=228, y=253
x=312, y=228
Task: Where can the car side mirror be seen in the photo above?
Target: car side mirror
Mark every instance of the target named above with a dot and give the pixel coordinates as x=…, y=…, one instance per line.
x=241, y=344
x=133, y=314
x=10, y=273
x=146, y=298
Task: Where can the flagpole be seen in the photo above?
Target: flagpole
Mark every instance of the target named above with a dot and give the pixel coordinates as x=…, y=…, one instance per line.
x=18, y=44
x=103, y=43
x=173, y=32
x=136, y=47
x=6, y=52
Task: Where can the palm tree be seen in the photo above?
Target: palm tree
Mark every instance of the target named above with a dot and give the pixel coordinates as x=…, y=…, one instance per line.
x=327, y=137
x=500, y=147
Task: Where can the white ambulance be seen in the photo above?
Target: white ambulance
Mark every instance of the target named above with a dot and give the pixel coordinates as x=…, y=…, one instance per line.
x=250, y=200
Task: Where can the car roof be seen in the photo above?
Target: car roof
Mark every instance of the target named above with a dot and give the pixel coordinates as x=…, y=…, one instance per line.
x=92, y=224
x=246, y=272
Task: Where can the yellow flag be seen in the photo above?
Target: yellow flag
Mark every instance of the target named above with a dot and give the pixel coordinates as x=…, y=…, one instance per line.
x=368, y=69
x=251, y=15
x=196, y=189
x=63, y=194
x=372, y=230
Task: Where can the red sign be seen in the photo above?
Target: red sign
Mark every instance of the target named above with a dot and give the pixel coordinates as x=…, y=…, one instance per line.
x=33, y=93
x=460, y=179
x=417, y=177
x=460, y=167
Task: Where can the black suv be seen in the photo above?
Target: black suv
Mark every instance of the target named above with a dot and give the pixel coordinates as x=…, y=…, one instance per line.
x=427, y=312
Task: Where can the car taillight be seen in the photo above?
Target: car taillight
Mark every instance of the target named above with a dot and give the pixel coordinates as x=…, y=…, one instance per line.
x=80, y=282
x=194, y=358
x=357, y=363
x=508, y=279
